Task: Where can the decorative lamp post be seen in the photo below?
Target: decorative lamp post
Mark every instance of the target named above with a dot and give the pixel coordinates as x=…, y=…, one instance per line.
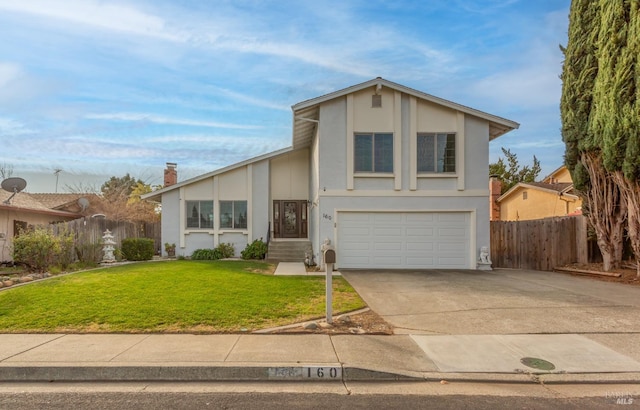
x=108, y=242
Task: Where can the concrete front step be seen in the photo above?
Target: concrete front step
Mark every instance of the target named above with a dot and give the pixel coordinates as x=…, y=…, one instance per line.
x=289, y=251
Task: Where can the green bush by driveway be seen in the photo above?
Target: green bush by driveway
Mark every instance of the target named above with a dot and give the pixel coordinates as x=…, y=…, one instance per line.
x=175, y=296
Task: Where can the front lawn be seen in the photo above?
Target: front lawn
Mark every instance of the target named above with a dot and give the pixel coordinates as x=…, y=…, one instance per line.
x=171, y=297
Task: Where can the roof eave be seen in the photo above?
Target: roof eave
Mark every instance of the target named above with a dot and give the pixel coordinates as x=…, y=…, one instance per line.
x=52, y=212
x=156, y=195
x=498, y=125
x=539, y=188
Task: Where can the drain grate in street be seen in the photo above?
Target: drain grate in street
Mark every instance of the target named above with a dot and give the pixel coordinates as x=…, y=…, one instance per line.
x=536, y=363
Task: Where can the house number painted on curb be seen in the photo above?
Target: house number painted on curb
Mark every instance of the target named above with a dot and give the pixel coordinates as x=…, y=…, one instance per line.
x=322, y=373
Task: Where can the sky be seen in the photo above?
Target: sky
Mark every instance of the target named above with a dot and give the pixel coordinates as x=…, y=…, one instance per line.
x=93, y=89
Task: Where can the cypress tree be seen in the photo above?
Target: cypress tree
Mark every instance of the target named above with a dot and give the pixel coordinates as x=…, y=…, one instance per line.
x=620, y=126
x=584, y=107
x=578, y=77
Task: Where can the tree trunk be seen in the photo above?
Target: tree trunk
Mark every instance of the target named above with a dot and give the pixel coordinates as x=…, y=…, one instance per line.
x=630, y=191
x=606, y=210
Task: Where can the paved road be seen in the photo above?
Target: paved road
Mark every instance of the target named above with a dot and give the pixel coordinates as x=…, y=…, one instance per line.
x=313, y=396
x=268, y=401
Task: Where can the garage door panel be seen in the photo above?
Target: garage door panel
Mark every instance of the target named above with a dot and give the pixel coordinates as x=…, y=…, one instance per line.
x=420, y=262
x=419, y=246
x=451, y=216
x=387, y=218
x=356, y=246
x=403, y=240
x=451, y=247
x=388, y=246
x=387, y=260
x=420, y=218
x=451, y=232
x=356, y=219
x=387, y=231
x=421, y=232
x=361, y=231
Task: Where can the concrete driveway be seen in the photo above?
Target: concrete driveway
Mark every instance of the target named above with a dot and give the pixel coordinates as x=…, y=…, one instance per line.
x=500, y=302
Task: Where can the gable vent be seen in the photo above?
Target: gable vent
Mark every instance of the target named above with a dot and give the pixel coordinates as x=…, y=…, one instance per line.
x=376, y=101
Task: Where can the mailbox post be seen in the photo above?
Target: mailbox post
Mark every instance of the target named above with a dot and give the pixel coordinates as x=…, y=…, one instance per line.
x=329, y=260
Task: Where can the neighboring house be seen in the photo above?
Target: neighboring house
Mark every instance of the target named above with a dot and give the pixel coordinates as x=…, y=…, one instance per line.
x=22, y=211
x=393, y=177
x=80, y=204
x=554, y=196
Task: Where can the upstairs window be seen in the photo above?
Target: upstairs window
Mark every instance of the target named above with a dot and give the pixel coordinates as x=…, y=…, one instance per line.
x=233, y=214
x=200, y=214
x=436, y=153
x=373, y=152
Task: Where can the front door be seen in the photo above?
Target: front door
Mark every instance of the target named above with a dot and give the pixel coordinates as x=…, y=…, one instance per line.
x=290, y=219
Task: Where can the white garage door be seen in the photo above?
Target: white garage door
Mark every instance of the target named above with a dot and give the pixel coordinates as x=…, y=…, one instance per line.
x=404, y=240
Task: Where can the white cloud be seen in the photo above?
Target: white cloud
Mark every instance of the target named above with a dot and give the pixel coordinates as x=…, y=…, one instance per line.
x=157, y=119
x=8, y=73
x=251, y=100
x=12, y=127
x=524, y=86
x=101, y=15
x=533, y=80
x=538, y=143
x=484, y=6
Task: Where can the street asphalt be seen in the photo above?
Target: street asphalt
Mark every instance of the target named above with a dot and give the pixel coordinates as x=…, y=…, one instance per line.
x=501, y=325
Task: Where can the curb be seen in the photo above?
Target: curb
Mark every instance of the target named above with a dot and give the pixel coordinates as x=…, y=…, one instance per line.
x=326, y=372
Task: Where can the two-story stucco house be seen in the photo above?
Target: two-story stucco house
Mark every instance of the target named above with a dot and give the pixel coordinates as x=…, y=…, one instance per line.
x=394, y=177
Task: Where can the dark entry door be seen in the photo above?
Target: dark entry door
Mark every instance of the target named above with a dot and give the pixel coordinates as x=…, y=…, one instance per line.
x=290, y=218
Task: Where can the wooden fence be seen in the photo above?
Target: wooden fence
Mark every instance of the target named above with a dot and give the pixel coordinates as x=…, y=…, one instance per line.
x=88, y=232
x=540, y=244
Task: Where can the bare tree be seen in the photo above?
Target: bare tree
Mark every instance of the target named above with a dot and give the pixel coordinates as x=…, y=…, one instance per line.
x=6, y=170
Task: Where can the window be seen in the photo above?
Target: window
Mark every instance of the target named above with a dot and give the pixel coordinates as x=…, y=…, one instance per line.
x=200, y=214
x=376, y=101
x=436, y=152
x=524, y=195
x=373, y=152
x=233, y=214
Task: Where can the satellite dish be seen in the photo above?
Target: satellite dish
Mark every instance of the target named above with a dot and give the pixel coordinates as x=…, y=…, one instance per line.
x=83, y=203
x=14, y=185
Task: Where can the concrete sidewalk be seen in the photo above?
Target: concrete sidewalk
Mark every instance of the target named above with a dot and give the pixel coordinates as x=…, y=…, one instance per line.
x=298, y=269
x=252, y=357
x=501, y=326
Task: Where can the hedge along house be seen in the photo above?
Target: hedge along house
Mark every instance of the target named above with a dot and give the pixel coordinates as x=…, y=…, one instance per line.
x=393, y=177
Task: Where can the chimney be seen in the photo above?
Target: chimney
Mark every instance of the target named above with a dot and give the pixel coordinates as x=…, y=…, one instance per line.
x=495, y=190
x=170, y=174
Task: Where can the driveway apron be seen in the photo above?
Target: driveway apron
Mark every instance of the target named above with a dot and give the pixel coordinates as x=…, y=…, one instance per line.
x=498, y=302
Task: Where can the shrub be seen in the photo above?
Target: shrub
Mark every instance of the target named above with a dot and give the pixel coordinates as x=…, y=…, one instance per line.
x=64, y=257
x=40, y=249
x=227, y=250
x=205, y=255
x=138, y=249
x=224, y=250
x=255, y=250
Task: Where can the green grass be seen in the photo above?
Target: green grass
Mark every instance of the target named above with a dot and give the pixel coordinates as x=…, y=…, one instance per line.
x=170, y=297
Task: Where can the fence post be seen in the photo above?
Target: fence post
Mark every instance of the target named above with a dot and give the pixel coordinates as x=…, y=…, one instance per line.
x=582, y=241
